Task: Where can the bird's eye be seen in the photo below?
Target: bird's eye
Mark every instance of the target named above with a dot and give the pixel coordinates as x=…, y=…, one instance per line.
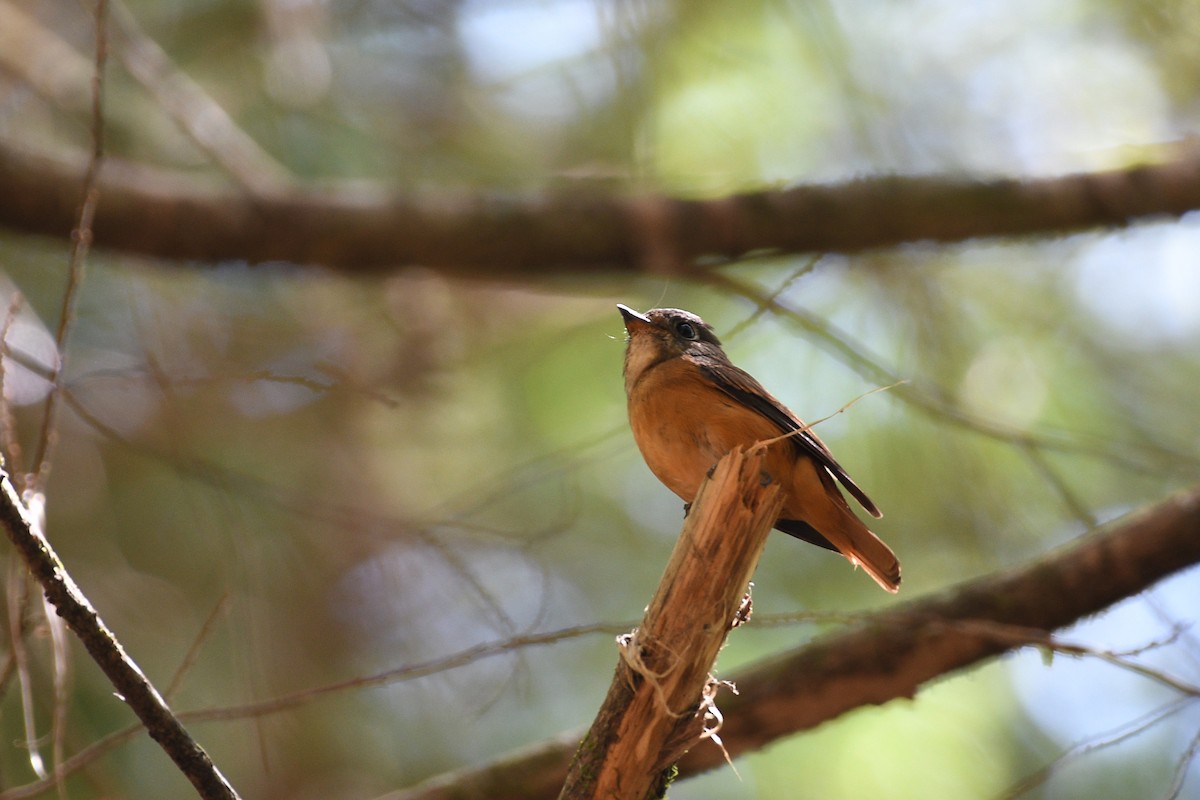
x=687, y=330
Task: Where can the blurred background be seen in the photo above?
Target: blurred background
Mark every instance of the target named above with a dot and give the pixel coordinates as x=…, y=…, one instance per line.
x=272, y=478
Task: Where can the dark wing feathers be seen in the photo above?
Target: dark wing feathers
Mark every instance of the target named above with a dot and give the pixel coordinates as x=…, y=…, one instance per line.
x=804, y=532
x=742, y=386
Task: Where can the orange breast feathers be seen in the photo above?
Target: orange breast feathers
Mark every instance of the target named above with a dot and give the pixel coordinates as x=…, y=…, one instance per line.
x=683, y=425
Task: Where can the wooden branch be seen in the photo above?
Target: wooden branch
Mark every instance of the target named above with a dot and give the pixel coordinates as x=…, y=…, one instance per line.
x=131, y=684
x=362, y=228
x=895, y=652
x=655, y=708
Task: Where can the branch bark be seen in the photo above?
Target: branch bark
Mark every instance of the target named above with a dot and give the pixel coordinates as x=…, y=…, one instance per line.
x=128, y=680
x=363, y=228
x=656, y=706
x=893, y=653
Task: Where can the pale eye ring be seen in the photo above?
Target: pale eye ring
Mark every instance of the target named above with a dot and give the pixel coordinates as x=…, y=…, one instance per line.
x=687, y=330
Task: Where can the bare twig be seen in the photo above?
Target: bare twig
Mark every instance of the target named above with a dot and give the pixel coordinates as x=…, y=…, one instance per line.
x=398, y=674
x=74, y=763
x=62, y=672
x=17, y=603
x=81, y=242
x=808, y=426
x=131, y=685
x=1182, y=768
x=277, y=705
x=206, y=631
x=1071, y=499
x=23, y=526
x=929, y=401
x=805, y=267
x=97, y=749
x=389, y=677
x=1099, y=742
x=1014, y=636
x=33, y=487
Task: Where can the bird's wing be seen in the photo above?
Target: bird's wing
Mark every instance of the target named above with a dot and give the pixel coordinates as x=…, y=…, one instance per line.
x=741, y=386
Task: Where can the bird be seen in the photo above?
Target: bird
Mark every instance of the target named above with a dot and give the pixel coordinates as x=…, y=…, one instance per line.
x=689, y=406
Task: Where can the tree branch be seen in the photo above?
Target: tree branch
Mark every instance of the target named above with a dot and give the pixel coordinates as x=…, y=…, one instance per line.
x=362, y=228
x=893, y=653
x=129, y=681
x=657, y=704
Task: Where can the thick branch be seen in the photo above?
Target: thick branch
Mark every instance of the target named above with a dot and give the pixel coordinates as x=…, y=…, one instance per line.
x=357, y=228
x=655, y=708
x=128, y=680
x=893, y=653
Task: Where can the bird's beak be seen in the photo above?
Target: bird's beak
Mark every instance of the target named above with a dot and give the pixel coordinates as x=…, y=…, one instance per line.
x=629, y=315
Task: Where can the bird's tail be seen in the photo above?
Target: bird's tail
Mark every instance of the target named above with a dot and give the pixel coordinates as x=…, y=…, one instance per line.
x=840, y=530
x=863, y=548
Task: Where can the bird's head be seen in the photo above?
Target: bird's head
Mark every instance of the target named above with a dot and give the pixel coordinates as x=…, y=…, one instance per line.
x=662, y=334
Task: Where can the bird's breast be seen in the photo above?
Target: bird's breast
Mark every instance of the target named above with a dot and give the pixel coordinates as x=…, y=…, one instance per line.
x=683, y=425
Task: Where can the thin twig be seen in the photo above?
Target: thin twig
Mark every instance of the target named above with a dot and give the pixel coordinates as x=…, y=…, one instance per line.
x=808, y=426
x=1069, y=497
x=18, y=606
x=126, y=677
x=34, y=487
x=395, y=675
x=99, y=748
x=1101, y=741
x=81, y=242
x=763, y=306
x=1182, y=768
x=398, y=674
x=1018, y=636
x=193, y=653
x=74, y=763
x=856, y=357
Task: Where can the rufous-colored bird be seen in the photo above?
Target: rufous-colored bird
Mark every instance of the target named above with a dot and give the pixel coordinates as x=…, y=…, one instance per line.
x=689, y=406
